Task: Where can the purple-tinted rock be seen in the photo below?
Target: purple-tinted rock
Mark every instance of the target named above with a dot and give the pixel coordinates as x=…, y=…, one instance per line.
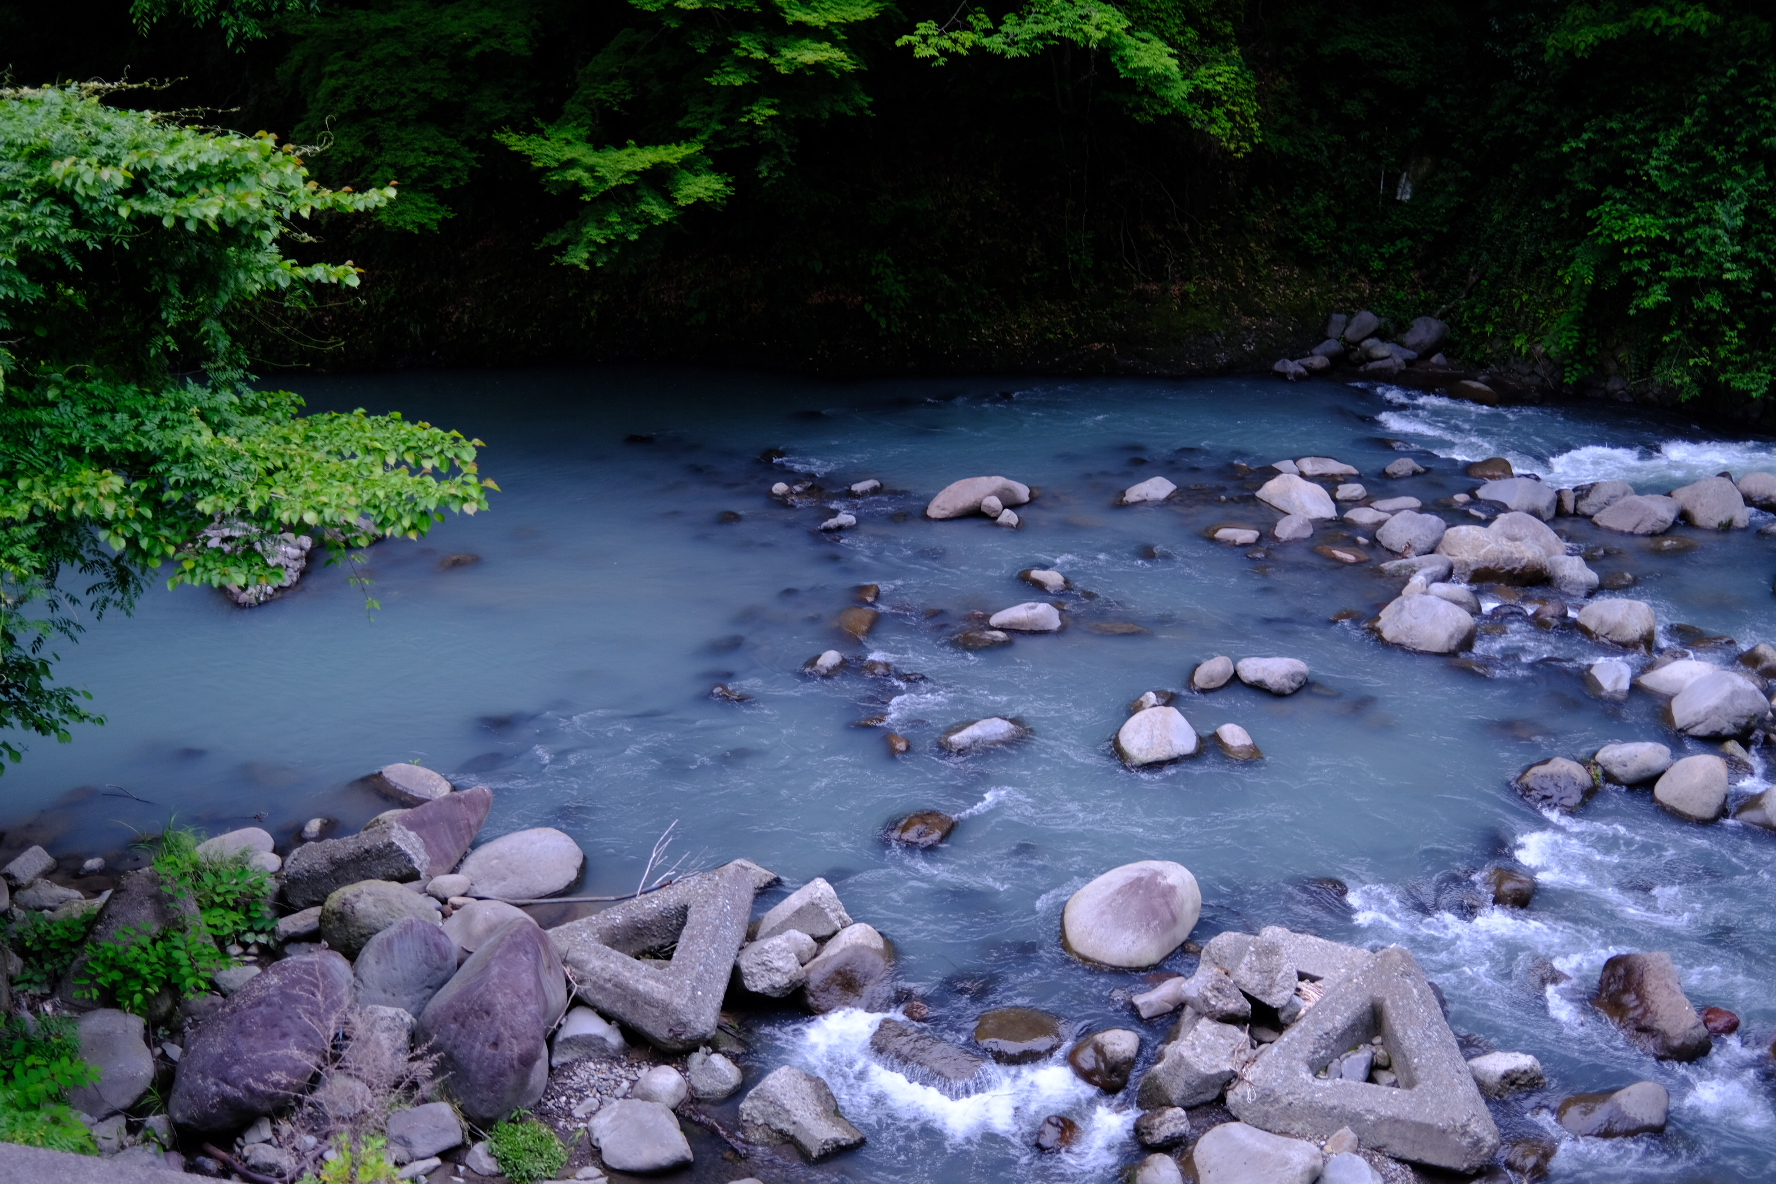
x=447, y=826
x=404, y=965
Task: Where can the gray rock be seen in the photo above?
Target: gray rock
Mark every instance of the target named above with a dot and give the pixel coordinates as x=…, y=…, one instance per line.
x=790, y=1105
x=404, y=966
x=1428, y=624
x=1168, y=1126
x=678, y=1006
x=1236, y=536
x=354, y=914
x=114, y=1043
x=1526, y=528
x=1759, y=489
x=1105, y=1059
x=928, y=1056
x=585, y=1034
x=1627, y=623
x=447, y=826
x=773, y=967
x=302, y=925
x=1713, y=503
x=1212, y=675
x=1158, y=1169
x=1440, y=1120
x=1265, y=972
x=1633, y=764
x=1154, y=489
x=639, y=1136
x=43, y=895
x=1571, y=576
x=1314, y=363
x=524, y=865
x=381, y=1039
x=1235, y=1153
x=237, y=842
x=1166, y=997
x=662, y=1084
x=490, y=1023
x=258, y=1051
x=1695, y=788
x=1609, y=678
x=825, y=664
x=423, y=1131
x=1410, y=532
x=1478, y=556
x=1424, y=335
x=1352, y=491
x=1500, y=1074
x=813, y=909
x=1279, y=676
x=1335, y=325
x=1638, y=1109
x=33, y=863
x=1433, y=568
x=139, y=907
x=1155, y=736
x=1195, y=1067
x=1594, y=499
x=1328, y=349
x=851, y=970
x=109, y=1133
x=1237, y=743
x=1460, y=595
x=1521, y=493
x=1361, y=327
x=1348, y=1168
x=1365, y=516
x=1291, y=370
x=712, y=1076
x=316, y=870
x=1719, y=705
x=981, y=734
x=411, y=785
x=1290, y=494
x=1638, y=514
x=1669, y=678
x=475, y=922
x=1051, y=582
x=1556, y=784
x=1405, y=466
x=1292, y=528
x=1033, y=616
x=1212, y=992
x=840, y=521
x=962, y=498
x=1641, y=994
x=233, y=978
x=1133, y=915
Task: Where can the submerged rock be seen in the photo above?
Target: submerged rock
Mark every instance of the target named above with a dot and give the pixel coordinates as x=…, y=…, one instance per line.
x=908, y=1046
x=925, y=828
x=1405, y=466
x=1134, y=915
x=1556, y=784
x=1017, y=1035
x=1638, y=1109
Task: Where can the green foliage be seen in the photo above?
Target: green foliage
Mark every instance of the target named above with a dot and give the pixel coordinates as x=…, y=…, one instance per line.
x=239, y=20
x=46, y=945
x=136, y=965
x=39, y=1067
x=526, y=1150
x=130, y=247
x=364, y=1162
x=232, y=898
x=52, y=1125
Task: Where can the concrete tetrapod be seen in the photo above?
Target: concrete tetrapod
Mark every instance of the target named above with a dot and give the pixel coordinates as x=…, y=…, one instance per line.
x=1436, y=1116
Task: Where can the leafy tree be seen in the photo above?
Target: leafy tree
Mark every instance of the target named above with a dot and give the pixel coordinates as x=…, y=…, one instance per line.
x=130, y=246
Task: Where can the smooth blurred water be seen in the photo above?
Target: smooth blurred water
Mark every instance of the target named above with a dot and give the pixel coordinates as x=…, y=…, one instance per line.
x=570, y=668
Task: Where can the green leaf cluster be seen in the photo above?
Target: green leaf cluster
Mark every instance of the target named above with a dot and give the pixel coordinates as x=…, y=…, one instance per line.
x=39, y=1063
x=46, y=945
x=527, y=1150
x=362, y=1161
x=233, y=899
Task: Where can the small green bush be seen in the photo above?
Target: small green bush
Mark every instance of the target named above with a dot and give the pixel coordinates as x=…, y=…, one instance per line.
x=47, y=946
x=366, y=1162
x=39, y=1067
x=232, y=898
x=52, y=1125
x=137, y=965
x=526, y=1150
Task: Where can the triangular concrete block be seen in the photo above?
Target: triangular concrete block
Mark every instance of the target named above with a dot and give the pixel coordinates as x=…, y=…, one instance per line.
x=1435, y=1116
x=702, y=919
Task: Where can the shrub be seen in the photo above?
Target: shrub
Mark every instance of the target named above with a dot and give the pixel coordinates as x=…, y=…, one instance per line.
x=361, y=1162
x=526, y=1150
x=137, y=965
x=39, y=1062
x=47, y=946
x=231, y=896
x=52, y=1125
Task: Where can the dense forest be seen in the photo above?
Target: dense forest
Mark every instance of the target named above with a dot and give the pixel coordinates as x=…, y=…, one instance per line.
x=1582, y=189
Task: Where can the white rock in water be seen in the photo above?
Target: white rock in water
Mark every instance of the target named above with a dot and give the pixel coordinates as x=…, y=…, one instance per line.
x=839, y=521
x=1052, y=582
x=1499, y=1074
x=1212, y=675
x=1460, y=595
x=813, y=909
x=1154, y=736
x=1008, y=518
x=1527, y=528
x=826, y=664
x=1236, y=536
x=235, y=842
x=781, y=489
x=1694, y=788
x=964, y=497
x=1638, y=514
x=412, y=785
x=1713, y=503
x=524, y=865
x=1669, y=679
x=1365, y=516
x=1628, y=623
x=1033, y=616
x=1408, y=530
x=1428, y=624
x=992, y=507
x=1609, y=678
x=1719, y=705
x=1237, y=743
x=313, y=829
x=1279, y=676
x=1291, y=527
x=1285, y=466
x=865, y=487
x=1393, y=505
x=1759, y=489
x=1234, y=1153
x=982, y=733
x=1290, y=494
x=1632, y=764
x=1154, y=489
x=1404, y=467
x=1323, y=466
x=1133, y=916
x=1349, y=492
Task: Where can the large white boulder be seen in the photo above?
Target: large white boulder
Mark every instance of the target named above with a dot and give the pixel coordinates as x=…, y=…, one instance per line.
x=1428, y=624
x=1694, y=788
x=1279, y=676
x=1154, y=489
x=1290, y=494
x=1713, y=503
x=1411, y=531
x=1628, y=623
x=1033, y=616
x=1134, y=915
x=961, y=498
x=1234, y=1153
x=1638, y=514
x=1154, y=736
x=524, y=865
x=1718, y=705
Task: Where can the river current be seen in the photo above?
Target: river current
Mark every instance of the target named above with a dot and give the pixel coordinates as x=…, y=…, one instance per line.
x=634, y=559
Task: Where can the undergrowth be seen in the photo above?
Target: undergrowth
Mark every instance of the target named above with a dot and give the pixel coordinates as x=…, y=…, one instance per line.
x=39, y=1063
x=527, y=1150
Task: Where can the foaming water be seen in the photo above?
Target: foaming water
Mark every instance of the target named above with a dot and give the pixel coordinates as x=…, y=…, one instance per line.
x=569, y=669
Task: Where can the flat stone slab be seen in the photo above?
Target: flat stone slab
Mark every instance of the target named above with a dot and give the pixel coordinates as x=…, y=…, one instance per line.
x=1436, y=1116
x=40, y=1166
x=704, y=918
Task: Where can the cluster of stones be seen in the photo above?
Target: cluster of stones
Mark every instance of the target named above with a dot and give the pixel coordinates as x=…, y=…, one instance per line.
x=1157, y=733
x=1357, y=338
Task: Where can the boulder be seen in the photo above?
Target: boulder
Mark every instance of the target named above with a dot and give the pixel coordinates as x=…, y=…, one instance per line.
x=1195, y=1067
x=1033, y=616
x=114, y=1043
x=1158, y=1169
x=1008, y=519
x=1594, y=499
x=794, y=1106
x=404, y=966
x=992, y=507
x=1556, y=784
x=825, y=664
x=981, y=734
x=447, y=826
x=1361, y=327
x=843, y=520
x=1236, y=536
x=1168, y=1126
x=1393, y=505
x=1526, y=528
x=1713, y=503
x=1718, y=705
x=1460, y=595
x=1641, y=995
x=1638, y=514
x=711, y=1076
x=1365, y=517
x=1500, y=1074
x=1105, y=1059
x=257, y=1052
x=1436, y=1117
x=1265, y=972
x=1759, y=810
x=639, y=1136
x=1323, y=466
x=1292, y=528
x=524, y=865
x=1134, y=915
x=851, y=970
x=773, y=967
x=1051, y=582
x=1609, y=678
x=1289, y=369
x=662, y=1084
x=677, y=1006
x=354, y=914
x=585, y=1034
x=1572, y=576
x=813, y=909
x=1405, y=466
x=1759, y=489
x=411, y=785
x=1525, y=494
x=1638, y=1109
x=490, y=1023
x=1155, y=736
x=964, y=497
x=1018, y=1035
x=246, y=841
x=1433, y=568
x=30, y=865
x=1279, y=676
x=1428, y=624
x=1695, y=788
x=1347, y=1167
x=1627, y=623
x=929, y=1057
x=1633, y=764
x=314, y=871
x=1211, y=675
x=1290, y=494
x=136, y=908
x=1154, y=489
x=1234, y=1153
x=1409, y=532
x=421, y=1132
x=304, y=924
x=1350, y=491
x=981, y=639
x=1669, y=678
x=1167, y=996
x=43, y=895
x=1478, y=556
x=1211, y=992
x=475, y=922
x=1237, y=743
